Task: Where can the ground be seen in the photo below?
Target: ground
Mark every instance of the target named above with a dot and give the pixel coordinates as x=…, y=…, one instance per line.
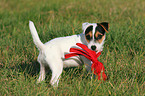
x=123, y=55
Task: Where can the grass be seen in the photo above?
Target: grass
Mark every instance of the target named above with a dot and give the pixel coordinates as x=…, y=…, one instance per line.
x=123, y=55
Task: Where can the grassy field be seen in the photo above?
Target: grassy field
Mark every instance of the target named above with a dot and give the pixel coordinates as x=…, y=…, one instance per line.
x=123, y=55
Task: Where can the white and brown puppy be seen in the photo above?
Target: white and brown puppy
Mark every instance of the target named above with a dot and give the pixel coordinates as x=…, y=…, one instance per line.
x=52, y=53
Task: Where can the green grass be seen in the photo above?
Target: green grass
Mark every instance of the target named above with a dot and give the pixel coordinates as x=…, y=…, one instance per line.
x=123, y=55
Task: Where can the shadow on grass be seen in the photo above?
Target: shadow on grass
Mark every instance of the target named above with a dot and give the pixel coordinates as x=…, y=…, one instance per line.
x=32, y=69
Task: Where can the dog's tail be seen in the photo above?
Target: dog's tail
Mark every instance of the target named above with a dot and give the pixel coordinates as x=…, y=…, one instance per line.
x=35, y=36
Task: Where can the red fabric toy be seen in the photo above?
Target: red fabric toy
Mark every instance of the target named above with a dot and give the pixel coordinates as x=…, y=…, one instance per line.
x=97, y=67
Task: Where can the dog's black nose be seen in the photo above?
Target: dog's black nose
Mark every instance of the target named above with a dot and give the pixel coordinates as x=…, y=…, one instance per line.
x=93, y=47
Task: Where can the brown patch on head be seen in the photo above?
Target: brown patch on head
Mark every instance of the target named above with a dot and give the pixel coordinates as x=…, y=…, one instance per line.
x=101, y=40
x=99, y=37
x=89, y=36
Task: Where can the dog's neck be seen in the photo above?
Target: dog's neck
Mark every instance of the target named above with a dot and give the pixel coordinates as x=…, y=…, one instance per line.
x=83, y=39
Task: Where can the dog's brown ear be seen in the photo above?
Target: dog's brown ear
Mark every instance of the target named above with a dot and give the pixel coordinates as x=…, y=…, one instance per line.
x=105, y=26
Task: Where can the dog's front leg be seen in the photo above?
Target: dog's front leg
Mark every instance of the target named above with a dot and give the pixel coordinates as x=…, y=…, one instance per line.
x=88, y=65
x=88, y=68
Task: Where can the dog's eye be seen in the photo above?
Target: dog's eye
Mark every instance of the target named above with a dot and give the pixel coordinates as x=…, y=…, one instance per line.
x=88, y=37
x=99, y=37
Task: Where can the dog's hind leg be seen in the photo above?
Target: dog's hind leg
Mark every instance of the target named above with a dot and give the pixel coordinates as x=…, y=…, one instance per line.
x=56, y=68
x=42, y=73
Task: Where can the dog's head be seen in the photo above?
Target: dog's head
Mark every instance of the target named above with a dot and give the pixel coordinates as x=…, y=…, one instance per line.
x=95, y=34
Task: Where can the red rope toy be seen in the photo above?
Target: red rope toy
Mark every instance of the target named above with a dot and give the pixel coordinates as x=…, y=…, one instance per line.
x=97, y=67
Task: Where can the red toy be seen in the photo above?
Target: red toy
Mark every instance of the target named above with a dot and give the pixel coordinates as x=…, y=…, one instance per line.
x=97, y=67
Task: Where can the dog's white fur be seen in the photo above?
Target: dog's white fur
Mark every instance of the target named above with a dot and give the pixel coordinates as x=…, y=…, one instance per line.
x=52, y=53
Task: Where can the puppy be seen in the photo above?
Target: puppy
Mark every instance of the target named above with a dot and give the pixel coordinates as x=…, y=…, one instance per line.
x=52, y=52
